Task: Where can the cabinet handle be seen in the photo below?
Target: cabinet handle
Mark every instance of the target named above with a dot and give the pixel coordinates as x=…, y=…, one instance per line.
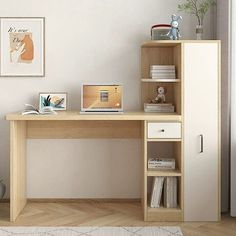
x=201, y=143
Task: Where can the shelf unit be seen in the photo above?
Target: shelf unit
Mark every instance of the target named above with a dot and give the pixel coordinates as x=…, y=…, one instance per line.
x=166, y=173
x=149, y=80
x=162, y=53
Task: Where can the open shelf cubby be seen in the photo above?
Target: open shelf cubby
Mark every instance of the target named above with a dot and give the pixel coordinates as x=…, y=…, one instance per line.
x=161, y=54
x=163, y=213
x=162, y=146
x=165, y=150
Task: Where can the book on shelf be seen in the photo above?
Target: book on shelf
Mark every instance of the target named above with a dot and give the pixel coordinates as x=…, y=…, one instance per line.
x=161, y=163
x=162, y=67
x=162, y=72
x=32, y=110
x=170, y=192
x=157, y=188
x=162, y=77
x=159, y=107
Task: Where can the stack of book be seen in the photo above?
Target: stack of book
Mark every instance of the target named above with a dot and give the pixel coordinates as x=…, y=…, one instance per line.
x=170, y=192
x=167, y=185
x=159, y=107
x=162, y=72
x=157, y=187
x=161, y=163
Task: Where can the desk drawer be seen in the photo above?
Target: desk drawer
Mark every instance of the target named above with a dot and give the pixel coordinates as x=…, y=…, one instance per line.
x=164, y=130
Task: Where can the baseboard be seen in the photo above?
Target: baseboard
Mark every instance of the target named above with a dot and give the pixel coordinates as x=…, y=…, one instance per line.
x=82, y=200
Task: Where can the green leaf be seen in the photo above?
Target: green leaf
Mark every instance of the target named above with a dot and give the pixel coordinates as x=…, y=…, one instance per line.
x=199, y=8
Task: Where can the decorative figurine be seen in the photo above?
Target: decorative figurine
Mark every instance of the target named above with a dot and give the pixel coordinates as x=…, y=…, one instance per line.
x=160, y=98
x=174, y=31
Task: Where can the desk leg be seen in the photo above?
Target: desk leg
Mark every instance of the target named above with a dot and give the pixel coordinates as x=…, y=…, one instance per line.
x=18, y=196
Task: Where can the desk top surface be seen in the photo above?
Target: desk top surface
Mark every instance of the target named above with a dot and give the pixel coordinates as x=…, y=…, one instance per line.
x=75, y=115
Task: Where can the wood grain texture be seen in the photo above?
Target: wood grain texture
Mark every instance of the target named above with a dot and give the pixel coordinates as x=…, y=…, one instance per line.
x=164, y=214
x=173, y=43
x=83, y=129
x=17, y=168
x=163, y=172
x=163, y=53
x=145, y=159
x=75, y=115
x=106, y=214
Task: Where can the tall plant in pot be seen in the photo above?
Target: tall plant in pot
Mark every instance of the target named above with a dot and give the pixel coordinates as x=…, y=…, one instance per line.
x=2, y=188
x=198, y=8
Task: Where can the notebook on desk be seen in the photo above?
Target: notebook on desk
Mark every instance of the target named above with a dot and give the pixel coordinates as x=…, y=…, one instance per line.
x=101, y=98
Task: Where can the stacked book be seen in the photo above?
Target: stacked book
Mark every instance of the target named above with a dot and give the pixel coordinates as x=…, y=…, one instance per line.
x=161, y=163
x=159, y=107
x=167, y=185
x=162, y=72
x=157, y=187
x=170, y=192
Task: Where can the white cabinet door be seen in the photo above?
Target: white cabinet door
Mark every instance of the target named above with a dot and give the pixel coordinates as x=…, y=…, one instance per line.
x=201, y=131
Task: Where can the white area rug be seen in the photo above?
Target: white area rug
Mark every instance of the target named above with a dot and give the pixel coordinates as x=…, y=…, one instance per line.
x=90, y=231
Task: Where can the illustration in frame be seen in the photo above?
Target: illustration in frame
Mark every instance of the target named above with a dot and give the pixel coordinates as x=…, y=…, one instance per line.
x=22, y=46
x=56, y=100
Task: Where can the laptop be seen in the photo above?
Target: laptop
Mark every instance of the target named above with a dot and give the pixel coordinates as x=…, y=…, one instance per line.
x=102, y=98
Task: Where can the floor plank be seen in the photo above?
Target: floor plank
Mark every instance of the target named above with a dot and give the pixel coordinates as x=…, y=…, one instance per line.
x=95, y=213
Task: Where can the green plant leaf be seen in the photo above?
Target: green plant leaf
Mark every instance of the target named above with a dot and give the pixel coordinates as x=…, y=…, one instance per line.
x=199, y=8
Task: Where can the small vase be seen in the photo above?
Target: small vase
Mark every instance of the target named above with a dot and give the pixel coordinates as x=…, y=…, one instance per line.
x=2, y=190
x=199, y=32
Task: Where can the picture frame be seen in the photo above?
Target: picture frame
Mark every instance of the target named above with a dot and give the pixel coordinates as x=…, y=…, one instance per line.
x=22, y=46
x=57, y=100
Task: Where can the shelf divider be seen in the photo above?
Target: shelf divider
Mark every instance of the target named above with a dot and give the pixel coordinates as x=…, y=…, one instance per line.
x=154, y=172
x=149, y=80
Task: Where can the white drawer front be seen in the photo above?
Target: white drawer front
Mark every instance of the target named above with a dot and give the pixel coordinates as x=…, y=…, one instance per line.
x=164, y=130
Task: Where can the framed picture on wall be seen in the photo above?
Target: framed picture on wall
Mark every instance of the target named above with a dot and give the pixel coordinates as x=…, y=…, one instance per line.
x=56, y=100
x=22, y=46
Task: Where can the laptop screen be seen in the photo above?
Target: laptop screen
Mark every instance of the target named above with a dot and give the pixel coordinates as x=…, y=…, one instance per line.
x=102, y=97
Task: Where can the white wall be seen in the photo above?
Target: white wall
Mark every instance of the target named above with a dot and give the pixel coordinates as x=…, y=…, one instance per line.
x=86, y=41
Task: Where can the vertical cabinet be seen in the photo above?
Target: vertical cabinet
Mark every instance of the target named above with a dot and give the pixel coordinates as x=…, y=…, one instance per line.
x=163, y=135
x=201, y=131
x=190, y=135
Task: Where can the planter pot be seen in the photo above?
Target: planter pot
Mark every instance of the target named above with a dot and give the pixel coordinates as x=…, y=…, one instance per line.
x=2, y=190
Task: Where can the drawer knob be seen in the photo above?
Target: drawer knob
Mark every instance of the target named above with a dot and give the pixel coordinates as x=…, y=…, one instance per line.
x=162, y=130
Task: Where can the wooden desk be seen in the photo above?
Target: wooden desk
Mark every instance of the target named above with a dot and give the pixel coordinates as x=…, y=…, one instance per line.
x=66, y=125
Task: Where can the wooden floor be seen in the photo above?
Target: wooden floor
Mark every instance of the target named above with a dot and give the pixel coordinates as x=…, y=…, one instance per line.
x=95, y=213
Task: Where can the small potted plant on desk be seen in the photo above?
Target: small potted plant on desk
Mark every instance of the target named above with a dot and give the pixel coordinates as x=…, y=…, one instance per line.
x=2, y=189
